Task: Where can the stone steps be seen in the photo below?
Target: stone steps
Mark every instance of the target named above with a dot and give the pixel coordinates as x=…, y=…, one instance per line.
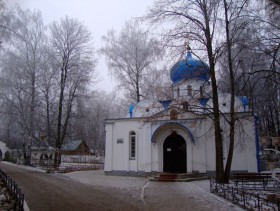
x=180, y=177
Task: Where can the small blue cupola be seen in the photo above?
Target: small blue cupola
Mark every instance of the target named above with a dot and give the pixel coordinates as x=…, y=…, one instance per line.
x=131, y=107
x=244, y=101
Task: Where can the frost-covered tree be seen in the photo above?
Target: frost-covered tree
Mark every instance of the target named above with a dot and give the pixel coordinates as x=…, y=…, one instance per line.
x=275, y=4
x=214, y=28
x=131, y=55
x=72, y=54
x=197, y=20
x=257, y=61
x=22, y=66
x=6, y=19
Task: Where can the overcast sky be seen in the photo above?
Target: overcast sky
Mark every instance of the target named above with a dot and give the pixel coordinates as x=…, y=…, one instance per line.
x=98, y=15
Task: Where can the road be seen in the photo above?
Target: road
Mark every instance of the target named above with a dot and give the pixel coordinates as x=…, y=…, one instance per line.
x=92, y=190
x=55, y=192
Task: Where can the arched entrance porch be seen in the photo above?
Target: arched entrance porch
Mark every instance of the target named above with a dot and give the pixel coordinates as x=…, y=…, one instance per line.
x=162, y=135
x=174, y=154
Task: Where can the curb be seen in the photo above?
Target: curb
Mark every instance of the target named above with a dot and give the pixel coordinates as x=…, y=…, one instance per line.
x=25, y=206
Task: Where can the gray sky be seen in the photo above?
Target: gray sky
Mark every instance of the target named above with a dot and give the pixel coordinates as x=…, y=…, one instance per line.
x=98, y=15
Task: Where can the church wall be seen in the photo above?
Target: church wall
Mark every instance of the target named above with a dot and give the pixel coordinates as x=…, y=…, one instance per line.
x=137, y=164
x=108, y=147
x=200, y=154
x=245, y=148
x=117, y=147
x=145, y=161
x=155, y=158
x=157, y=154
x=251, y=146
x=210, y=145
x=121, y=146
x=244, y=157
x=199, y=148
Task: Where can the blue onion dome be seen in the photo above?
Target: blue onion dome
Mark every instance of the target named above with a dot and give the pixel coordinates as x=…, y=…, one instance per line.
x=189, y=68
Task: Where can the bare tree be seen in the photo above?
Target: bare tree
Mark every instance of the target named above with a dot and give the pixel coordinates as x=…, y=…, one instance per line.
x=22, y=69
x=259, y=65
x=48, y=100
x=196, y=19
x=131, y=55
x=274, y=4
x=72, y=56
x=234, y=24
x=157, y=85
x=91, y=114
x=204, y=22
x=6, y=19
x=44, y=82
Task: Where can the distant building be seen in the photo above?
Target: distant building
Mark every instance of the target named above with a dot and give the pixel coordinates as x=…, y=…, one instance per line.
x=3, y=149
x=41, y=153
x=75, y=151
x=75, y=147
x=178, y=135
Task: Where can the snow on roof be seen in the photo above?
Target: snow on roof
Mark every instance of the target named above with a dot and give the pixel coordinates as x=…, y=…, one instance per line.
x=41, y=145
x=71, y=145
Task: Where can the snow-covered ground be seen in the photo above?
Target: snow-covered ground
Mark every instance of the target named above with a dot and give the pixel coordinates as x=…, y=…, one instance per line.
x=159, y=195
x=154, y=195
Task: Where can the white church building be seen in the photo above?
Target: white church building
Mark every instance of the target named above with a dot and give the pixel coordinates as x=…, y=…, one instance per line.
x=178, y=135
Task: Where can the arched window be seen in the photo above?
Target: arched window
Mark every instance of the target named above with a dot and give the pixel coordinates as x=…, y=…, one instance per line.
x=178, y=92
x=201, y=91
x=189, y=88
x=173, y=114
x=132, y=145
x=186, y=106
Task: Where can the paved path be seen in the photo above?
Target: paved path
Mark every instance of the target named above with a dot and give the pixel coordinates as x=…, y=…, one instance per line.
x=92, y=190
x=53, y=192
x=163, y=196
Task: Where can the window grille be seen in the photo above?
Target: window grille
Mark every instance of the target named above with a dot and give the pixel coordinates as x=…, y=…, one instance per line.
x=132, y=140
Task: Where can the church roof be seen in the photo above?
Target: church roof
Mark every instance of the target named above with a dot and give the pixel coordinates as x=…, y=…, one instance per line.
x=146, y=108
x=41, y=145
x=189, y=68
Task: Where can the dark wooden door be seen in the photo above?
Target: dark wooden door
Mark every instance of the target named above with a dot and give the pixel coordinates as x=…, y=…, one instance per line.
x=174, y=154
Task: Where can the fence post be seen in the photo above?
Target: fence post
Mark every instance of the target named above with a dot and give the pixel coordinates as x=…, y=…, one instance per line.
x=243, y=193
x=258, y=197
x=216, y=190
x=224, y=191
x=232, y=191
x=13, y=189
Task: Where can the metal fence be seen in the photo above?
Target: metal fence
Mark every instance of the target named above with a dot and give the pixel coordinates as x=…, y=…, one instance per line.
x=14, y=190
x=255, y=181
x=246, y=199
x=69, y=167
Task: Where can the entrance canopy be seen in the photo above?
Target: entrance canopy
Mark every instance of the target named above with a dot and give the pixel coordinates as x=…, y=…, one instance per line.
x=171, y=126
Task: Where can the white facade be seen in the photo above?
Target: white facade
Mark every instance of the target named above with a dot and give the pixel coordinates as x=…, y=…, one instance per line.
x=178, y=136
x=198, y=134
